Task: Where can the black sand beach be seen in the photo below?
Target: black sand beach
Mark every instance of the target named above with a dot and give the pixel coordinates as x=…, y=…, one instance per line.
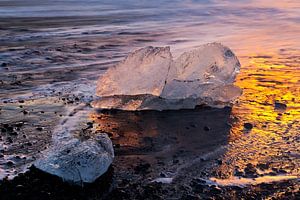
x=49, y=64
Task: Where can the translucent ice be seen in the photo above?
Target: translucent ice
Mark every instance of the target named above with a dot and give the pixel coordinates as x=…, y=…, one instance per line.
x=150, y=79
x=142, y=72
x=78, y=161
x=74, y=158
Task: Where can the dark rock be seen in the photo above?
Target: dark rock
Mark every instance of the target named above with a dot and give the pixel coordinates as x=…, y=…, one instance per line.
x=280, y=106
x=14, y=133
x=39, y=128
x=29, y=144
x=25, y=112
x=250, y=171
x=9, y=140
x=193, y=125
x=248, y=126
x=206, y=128
x=229, y=54
x=10, y=129
x=238, y=173
x=219, y=161
x=263, y=166
x=10, y=163
x=90, y=124
x=19, y=124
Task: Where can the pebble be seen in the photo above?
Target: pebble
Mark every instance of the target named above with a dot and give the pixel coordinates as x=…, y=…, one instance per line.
x=280, y=106
x=25, y=112
x=206, y=128
x=39, y=128
x=10, y=163
x=248, y=126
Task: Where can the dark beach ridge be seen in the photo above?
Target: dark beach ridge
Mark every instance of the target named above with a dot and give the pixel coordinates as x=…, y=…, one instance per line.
x=52, y=55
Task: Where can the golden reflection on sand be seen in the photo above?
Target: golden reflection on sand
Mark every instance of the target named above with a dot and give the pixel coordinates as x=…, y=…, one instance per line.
x=125, y=128
x=274, y=139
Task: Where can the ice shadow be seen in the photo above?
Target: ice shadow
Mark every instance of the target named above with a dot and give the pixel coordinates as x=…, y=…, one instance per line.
x=165, y=141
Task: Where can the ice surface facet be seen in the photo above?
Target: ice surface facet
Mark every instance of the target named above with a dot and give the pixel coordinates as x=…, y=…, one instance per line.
x=76, y=161
x=142, y=72
x=149, y=79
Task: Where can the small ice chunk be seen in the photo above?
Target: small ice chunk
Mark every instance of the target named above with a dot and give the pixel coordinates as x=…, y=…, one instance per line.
x=78, y=161
x=163, y=180
x=148, y=79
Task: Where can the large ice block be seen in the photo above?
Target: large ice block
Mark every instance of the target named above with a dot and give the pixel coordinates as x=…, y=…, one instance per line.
x=149, y=79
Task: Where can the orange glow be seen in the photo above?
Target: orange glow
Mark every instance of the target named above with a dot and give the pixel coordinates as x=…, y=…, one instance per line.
x=266, y=80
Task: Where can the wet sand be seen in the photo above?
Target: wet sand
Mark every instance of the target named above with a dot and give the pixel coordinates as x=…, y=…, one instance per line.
x=150, y=147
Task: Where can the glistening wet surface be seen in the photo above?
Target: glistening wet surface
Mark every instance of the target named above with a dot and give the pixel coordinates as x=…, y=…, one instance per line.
x=51, y=57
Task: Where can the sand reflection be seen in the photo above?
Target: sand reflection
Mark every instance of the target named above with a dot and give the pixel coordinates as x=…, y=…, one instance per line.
x=271, y=102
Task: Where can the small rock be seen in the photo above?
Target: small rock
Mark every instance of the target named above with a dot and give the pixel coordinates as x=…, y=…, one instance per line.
x=14, y=133
x=238, y=173
x=250, y=171
x=9, y=140
x=193, y=125
x=10, y=163
x=206, y=128
x=248, y=126
x=39, y=128
x=280, y=106
x=25, y=112
x=19, y=124
x=10, y=129
x=90, y=124
x=263, y=166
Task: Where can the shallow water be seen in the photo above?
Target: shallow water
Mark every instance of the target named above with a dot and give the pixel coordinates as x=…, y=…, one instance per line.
x=54, y=49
